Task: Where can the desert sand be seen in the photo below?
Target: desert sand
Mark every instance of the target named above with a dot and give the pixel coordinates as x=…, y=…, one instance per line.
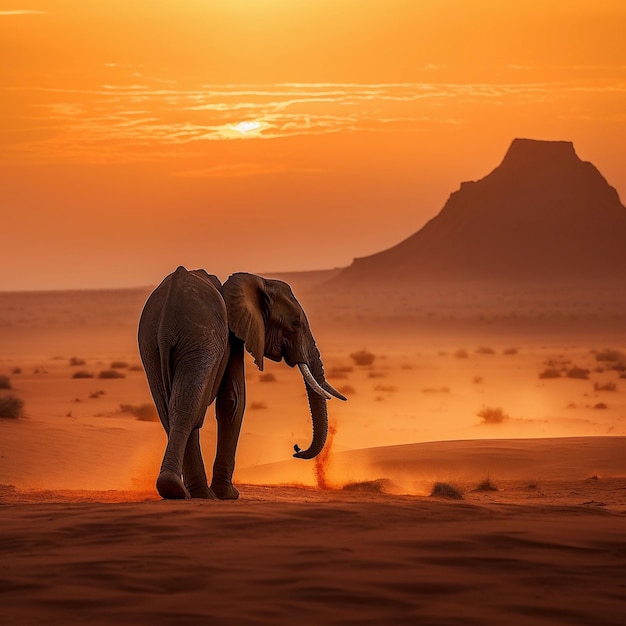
x=536, y=537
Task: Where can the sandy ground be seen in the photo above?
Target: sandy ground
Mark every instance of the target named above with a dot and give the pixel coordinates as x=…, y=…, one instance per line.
x=538, y=535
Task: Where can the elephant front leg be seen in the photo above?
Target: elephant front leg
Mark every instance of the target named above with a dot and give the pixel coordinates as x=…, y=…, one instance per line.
x=230, y=407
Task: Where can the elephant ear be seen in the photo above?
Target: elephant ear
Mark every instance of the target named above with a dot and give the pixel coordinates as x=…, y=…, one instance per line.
x=246, y=303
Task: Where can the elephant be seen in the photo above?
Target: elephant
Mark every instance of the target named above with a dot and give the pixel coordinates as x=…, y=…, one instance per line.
x=192, y=334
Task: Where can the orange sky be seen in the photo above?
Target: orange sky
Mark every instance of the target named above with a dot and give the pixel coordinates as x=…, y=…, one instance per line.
x=266, y=135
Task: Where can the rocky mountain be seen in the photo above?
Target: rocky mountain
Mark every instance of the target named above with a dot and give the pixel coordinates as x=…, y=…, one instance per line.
x=542, y=215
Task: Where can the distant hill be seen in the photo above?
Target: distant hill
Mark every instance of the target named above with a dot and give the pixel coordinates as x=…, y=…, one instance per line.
x=542, y=215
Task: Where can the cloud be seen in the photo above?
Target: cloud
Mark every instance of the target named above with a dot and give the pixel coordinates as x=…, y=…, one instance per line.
x=22, y=12
x=145, y=119
x=234, y=170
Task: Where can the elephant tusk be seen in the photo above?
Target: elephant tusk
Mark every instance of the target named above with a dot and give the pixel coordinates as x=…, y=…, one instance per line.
x=328, y=387
x=311, y=382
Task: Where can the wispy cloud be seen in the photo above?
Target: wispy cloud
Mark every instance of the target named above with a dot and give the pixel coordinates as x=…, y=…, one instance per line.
x=234, y=170
x=22, y=12
x=144, y=118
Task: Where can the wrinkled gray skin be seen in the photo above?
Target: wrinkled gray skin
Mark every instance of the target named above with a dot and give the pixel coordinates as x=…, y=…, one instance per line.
x=192, y=335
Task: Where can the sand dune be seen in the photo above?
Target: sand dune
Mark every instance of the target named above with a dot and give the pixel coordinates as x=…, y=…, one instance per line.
x=85, y=539
x=413, y=468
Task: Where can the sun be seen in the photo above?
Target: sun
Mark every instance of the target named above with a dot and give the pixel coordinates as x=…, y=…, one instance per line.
x=246, y=128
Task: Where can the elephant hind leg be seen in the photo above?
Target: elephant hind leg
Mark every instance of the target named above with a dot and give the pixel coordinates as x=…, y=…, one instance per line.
x=171, y=487
x=194, y=474
x=186, y=409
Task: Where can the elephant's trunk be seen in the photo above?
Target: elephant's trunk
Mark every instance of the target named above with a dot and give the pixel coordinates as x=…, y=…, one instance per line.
x=317, y=393
x=319, y=416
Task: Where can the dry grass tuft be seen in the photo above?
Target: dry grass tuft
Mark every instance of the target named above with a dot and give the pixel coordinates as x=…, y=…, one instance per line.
x=510, y=351
x=376, y=375
x=111, y=374
x=486, y=485
x=82, y=374
x=610, y=355
x=578, y=372
x=118, y=365
x=492, y=415
x=610, y=386
x=346, y=390
x=550, y=372
x=485, y=350
x=339, y=371
x=369, y=486
x=363, y=357
x=436, y=390
x=76, y=362
x=268, y=377
x=11, y=406
x=386, y=388
x=5, y=382
x=446, y=490
x=257, y=406
x=461, y=354
x=143, y=412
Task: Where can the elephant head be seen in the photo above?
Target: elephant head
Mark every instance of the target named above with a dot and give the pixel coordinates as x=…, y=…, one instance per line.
x=266, y=316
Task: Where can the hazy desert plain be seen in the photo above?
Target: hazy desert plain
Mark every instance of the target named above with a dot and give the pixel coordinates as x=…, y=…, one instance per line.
x=518, y=409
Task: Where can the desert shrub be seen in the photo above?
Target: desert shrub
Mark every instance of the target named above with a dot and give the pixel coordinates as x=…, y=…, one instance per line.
x=16, y=370
x=336, y=374
x=5, y=382
x=485, y=350
x=446, y=490
x=268, y=377
x=118, y=365
x=486, y=485
x=600, y=405
x=509, y=351
x=492, y=415
x=610, y=355
x=578, y=372
x=256, y=406
x=11, y=406
x=562, y=363
x=363, y=357
x=135, y=368
x=461, y=354
x=436, y=390
x=82, y=374
x=337, y=370
x=370, y=486
x=550, y=372
x=76, y=362
x=111, y=374
x=376, y=375
x=97, y=394
x=386, y=388
x=143, y=412
x=477, y=380
x=346, y=390
x=610, y=386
